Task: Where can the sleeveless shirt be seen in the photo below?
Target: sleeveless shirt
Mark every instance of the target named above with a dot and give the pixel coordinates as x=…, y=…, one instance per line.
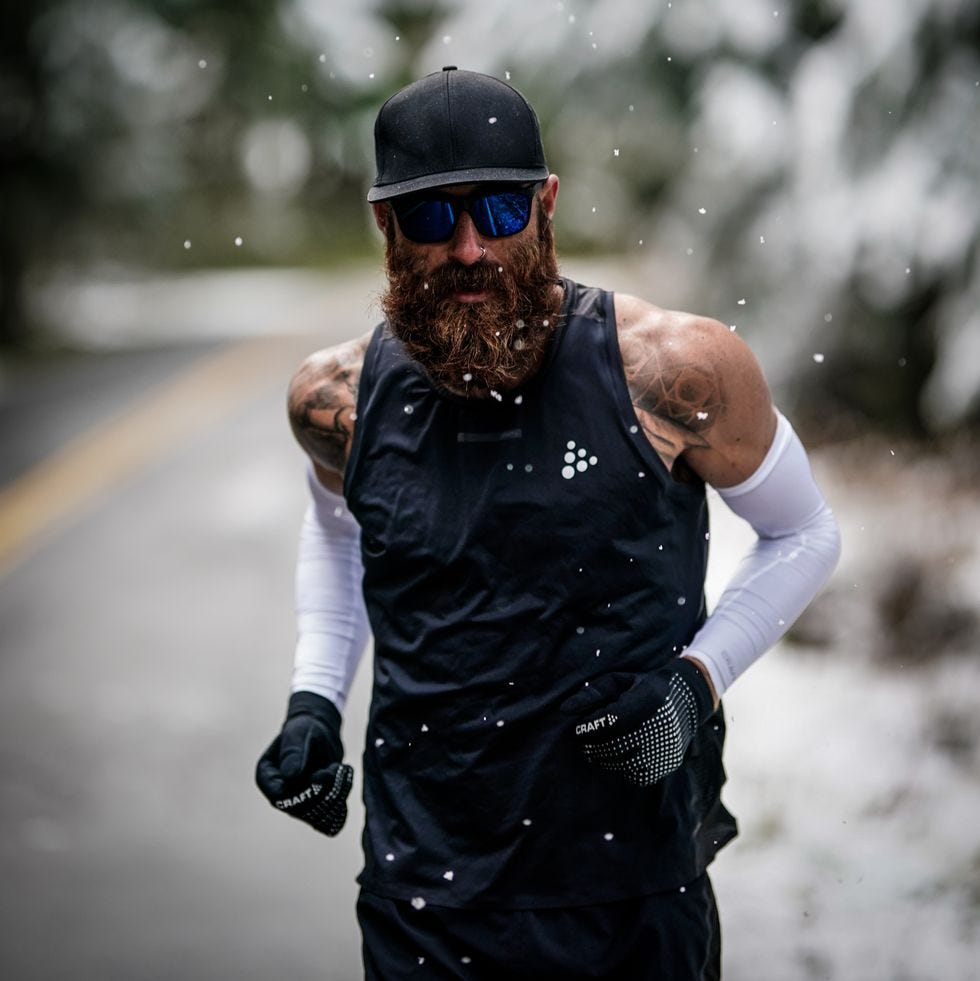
x=513, y=549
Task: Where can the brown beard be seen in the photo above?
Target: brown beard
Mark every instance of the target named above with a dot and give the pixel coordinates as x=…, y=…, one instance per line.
x=475, y=348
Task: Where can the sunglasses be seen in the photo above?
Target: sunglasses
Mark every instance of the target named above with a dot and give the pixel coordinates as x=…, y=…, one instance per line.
x=431, y=216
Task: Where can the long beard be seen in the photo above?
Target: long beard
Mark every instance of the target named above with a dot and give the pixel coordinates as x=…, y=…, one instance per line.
x=475, y=348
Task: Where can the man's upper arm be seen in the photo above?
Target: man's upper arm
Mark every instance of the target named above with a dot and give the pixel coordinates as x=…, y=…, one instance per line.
x=698, y=390
x=322, y=402
x=745, y=424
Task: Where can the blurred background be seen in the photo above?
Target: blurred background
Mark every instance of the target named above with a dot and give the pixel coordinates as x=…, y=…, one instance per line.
x=182, y=219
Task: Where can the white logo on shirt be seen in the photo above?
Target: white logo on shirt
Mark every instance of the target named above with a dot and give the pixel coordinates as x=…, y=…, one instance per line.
x=577, y=460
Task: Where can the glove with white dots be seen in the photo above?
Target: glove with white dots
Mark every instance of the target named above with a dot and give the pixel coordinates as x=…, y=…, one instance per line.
x=302, y=772
x=640, y=725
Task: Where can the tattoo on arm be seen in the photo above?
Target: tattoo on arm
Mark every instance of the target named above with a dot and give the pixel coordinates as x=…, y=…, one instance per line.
x=321, y=412
x=677, y=403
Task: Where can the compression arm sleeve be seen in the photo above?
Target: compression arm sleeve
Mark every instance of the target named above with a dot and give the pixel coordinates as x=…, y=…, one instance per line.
x=796, y=551
x=331, y=619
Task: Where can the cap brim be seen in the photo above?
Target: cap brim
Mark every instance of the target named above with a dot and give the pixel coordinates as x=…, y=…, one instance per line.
x=473, y=175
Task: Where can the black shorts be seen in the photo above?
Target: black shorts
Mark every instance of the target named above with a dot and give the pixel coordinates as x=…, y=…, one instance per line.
x=662, y=937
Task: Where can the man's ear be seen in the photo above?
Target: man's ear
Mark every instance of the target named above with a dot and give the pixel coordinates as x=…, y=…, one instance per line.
x=548, y=195
x=382, y=214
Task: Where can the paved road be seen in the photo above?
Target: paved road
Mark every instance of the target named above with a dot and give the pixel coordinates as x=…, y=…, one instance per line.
x=147, y=526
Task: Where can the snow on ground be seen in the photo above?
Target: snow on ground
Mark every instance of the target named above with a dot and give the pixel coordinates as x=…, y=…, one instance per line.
x=853, y=762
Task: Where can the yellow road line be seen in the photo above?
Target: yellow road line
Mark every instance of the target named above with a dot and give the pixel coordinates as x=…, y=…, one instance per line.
x=74, y=477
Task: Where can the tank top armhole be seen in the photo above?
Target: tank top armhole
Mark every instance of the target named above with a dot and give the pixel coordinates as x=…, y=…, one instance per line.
x=364, y=389
x=626, y=411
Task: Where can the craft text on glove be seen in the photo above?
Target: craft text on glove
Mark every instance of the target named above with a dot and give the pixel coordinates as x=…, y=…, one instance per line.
x=640, y=725
x=302, y=772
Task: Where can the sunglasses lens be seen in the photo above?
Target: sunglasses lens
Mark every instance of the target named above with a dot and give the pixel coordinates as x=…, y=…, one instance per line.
x=428, y=220
x=501, y=214
x=495, y=214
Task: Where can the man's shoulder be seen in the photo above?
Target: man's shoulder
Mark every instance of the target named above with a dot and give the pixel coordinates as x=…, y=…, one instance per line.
x=322, y=400
x=331, y=366
x=697, y=388
x=669, y=333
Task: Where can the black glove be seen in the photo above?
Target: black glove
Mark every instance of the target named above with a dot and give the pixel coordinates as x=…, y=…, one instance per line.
x=640, y=725
x=302, y=772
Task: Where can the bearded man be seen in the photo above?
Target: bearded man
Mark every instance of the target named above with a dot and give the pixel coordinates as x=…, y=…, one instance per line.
x=507, y=485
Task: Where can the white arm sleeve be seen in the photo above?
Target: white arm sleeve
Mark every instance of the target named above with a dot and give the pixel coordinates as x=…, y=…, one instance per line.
x=797, y=549
x=331, y=619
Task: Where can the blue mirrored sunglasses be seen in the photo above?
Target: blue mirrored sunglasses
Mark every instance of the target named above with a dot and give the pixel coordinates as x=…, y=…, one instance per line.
x=431, y=216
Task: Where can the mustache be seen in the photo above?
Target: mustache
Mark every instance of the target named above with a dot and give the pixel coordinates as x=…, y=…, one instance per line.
x=454, y=277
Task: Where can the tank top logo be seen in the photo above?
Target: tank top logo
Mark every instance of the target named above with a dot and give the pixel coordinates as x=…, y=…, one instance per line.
x=577, y=460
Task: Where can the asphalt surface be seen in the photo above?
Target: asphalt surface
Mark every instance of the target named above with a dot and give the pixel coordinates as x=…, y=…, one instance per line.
x=150, y=504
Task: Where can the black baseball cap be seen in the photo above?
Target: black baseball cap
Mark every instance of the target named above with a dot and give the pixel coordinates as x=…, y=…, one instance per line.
x=455, y=127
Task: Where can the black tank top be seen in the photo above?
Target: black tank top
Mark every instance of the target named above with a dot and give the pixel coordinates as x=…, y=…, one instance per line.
x=513, y=550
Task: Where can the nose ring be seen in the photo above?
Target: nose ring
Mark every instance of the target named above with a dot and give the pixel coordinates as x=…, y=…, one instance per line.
x=483, y=252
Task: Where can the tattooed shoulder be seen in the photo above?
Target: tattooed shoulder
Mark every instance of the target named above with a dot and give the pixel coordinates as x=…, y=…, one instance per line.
x=673, y=381
x=322, y=402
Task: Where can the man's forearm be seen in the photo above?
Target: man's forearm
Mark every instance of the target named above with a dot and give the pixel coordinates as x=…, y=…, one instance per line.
x=332, y=625
x=797, y=550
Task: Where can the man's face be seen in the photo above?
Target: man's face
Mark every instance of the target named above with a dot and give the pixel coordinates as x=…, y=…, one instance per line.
x=477, y=322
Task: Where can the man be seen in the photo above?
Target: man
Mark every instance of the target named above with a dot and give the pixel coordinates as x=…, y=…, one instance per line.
x=515, y=464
